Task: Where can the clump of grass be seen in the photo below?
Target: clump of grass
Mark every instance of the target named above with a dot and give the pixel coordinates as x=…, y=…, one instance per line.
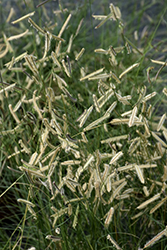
x=88, y=147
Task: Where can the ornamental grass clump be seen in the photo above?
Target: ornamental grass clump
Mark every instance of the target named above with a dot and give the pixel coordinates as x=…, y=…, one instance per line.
x=89, y=146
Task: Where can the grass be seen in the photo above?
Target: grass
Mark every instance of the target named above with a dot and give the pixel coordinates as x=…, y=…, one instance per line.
x=91, y=181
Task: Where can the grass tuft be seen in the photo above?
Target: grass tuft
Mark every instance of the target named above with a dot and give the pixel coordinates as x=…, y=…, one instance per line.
x=83, y=127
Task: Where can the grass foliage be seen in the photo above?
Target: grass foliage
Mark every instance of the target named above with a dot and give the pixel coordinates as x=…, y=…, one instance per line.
x=83, y=127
